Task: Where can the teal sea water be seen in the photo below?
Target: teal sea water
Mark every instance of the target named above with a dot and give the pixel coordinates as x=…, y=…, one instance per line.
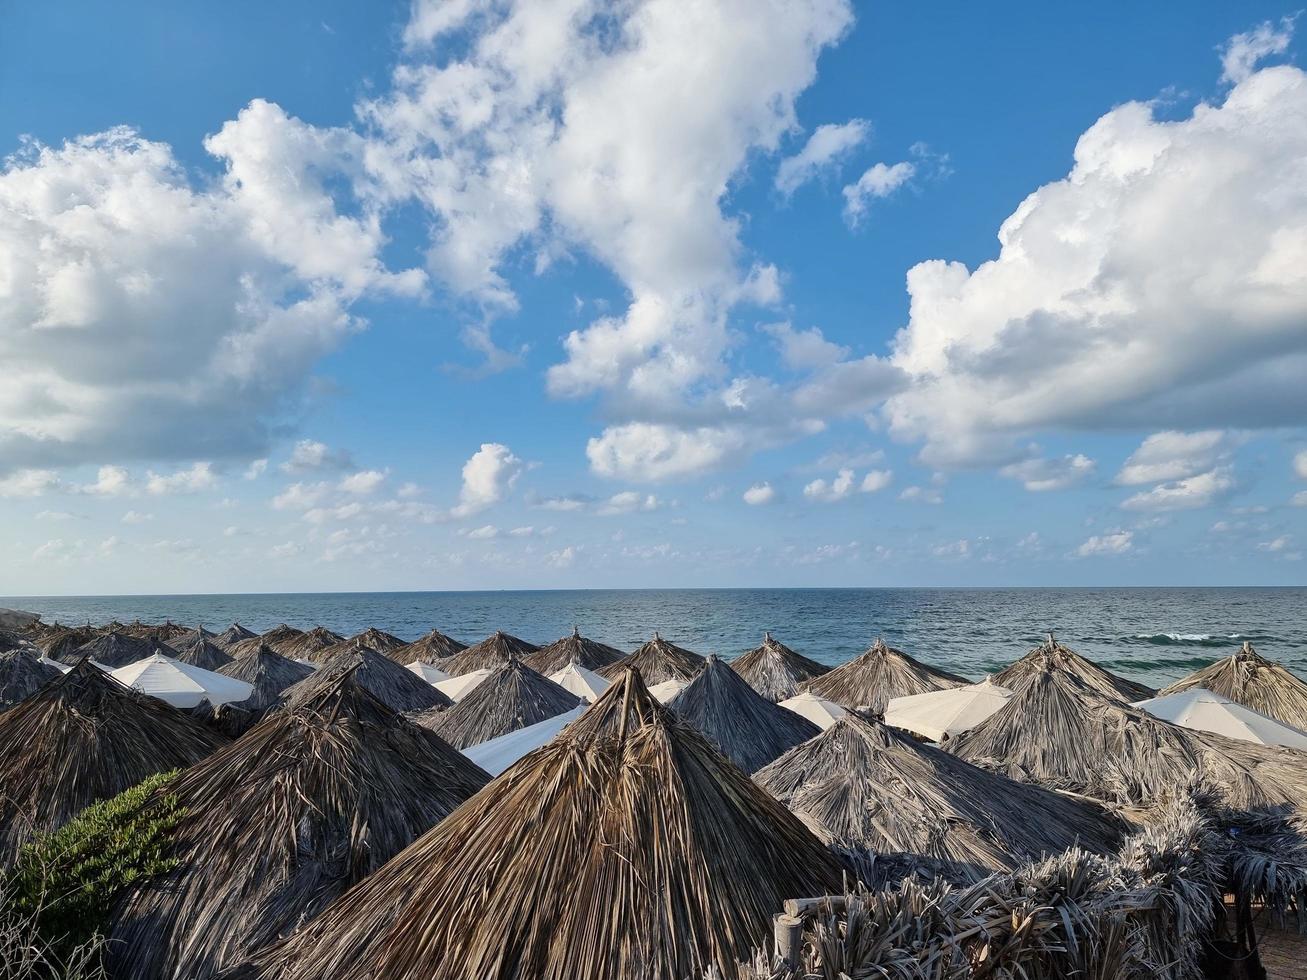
x=1156, y=634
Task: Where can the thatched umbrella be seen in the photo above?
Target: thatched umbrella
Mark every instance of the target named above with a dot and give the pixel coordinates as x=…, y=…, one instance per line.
x=275, y=827
x=311, y=645
x=775, y=671
x=1051, y=653
x=281, y=638
x=22, y=674
x=878, y=675
x=156, y=632
x=117, y=649
x=394, y=686
x=228, y=720
x=862, y=784
x=495, y=650
x=512, y=697
x=658, y=661
x=1255, y=682
x=83, y=738
x=198, y=649
x=270, y=673
x=573, y=649
x=627, y=847
x=232, y=635
x=427, y=648
x=9, y=640
x=748, y=729
x=60, y=642
x=379, y=640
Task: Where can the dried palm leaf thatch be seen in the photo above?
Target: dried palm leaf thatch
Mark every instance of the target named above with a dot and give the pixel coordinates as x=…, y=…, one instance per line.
x=280, y=638
x=427, y=648
x=164, y=632
x=879, y=675
x=512, y=697
x=271, y=674
x=80, y=739
x=9, y=640
x=1268, y=864
x=573, y=649
x=61, y=641
x=1060, y=733
x=232, y=635
x=746, y=727
x=1250, y=679
x=494, y=651
x=228, y=720
x=658, y=661
x=1053, y=654
x=117, y=649
x=199, y=650
x=311, y=645
x=627, y=847
x=22, y=674
x=862, y=784
x=379, y=640
x=276, y=826
x=775, y=671
x=399, y=689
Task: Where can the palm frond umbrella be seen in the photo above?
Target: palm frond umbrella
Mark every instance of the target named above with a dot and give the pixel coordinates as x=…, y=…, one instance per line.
x=281, y=638
x=310, y=802
x=861, y=784
x=748, y=729
x=117, y=649
x=80, y=739
x=379, y=640
x=62, y=642
x=156, y=632
x=312, y=645
x=573, y=649
x=180, y=684
x=428, y=648
x=582, y=682
x=22, y=674
x=1053, y=654
x=394, y=686
x=10, y=640
x=271, y=675
x=938, y=715
x=512, y=697
x=228, y=720
x=198, y=649
x=775, y=671
x=232, y=635
x=494, y=651
x=878, y=675
x=1204, y=711
x=1255, y=682
x=627, y=847
x=658, y=661
x=818, y=710
x=499, y=754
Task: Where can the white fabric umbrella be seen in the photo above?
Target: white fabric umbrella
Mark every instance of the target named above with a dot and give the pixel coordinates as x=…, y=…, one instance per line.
x=942, y=714
x=667, y=690
x=581, y=681
x=429, y=673
x=181, y=685
x=62, y=668
x=498, y=754
x=1204, y=711
x=457, y=688
x=816, y=709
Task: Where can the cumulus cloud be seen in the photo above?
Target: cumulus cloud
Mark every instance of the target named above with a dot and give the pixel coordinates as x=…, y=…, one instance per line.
x=877, y=181
x=110, y=481
x=1112, y=543
x=826, y=147
x=1173, y=456
x=197, y=477
x=28, y=483
x=487, y=476
x=1300, y=465
x=628, y=502
x=876, y=480
x=309, y=455
x=1242, y=53
x=136, y=517
x=1193, y=492
x=363, y=482
x=759, y=493
x=845, y=483
x=1039, y=474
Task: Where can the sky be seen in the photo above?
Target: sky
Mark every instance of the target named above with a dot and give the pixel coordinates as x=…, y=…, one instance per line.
x=478, y=294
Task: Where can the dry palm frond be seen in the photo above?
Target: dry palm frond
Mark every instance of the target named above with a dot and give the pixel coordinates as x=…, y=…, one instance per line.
x=1052, y=654
x=746, y=727
x=512, y=697
x=862, y=784
x=573, y=649
x=199, y=650
x=311, y=645
x=877, y=677
x=390, y=683
x=156, y=632
x=275, y=827
x=427, y=648
x=775, y=671
x=270, y=673
x=21, y=675
x=1250, y=679
x=9, y=640
x=627, y=847
x=379, y=640
x=658, y=661
x=60, y=642
x=494, y=651
x=80, y=739
x=228, y=720
x=116, y=649
x=232, y=635
x=280, y=638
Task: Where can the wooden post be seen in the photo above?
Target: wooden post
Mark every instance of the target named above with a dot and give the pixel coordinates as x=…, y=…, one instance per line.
x=788, y=932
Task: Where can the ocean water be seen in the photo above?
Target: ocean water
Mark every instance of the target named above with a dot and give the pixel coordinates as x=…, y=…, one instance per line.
x=1155, y=635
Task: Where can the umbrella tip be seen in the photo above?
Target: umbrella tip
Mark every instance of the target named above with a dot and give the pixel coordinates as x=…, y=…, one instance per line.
x=1051, y=640
x=576, y=630
x=766, y=636
x=656, y=635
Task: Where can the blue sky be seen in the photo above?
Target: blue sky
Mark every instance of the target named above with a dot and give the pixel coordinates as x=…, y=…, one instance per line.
x=477, y=295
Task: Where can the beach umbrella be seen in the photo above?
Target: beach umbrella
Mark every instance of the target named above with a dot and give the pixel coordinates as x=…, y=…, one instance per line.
x=457, y=688
x=316, y=645
x=428, y=672
x=938, y=715
x=62, y=668
x=281, y=638
x=156, y=633
x=1204, y=711
x=775, y=671
x=80, y=739
x=667, y=690
x=401, y=689
x=308, y=803
x=626, y=847
x=512, y=697
x=1250, y=679
x=494, y=651
x=270, y=674
x=498, y=754
x=379, y=640
x=1052, y=654
x=229, y=720
x=180, y=684
x=580, y=681
x=862, y=784
x=198, y=649
x=879, y=675
x=232, y=635
x=10, y=640
x=658, y=661
x=817, y=710
x=60, y=642
x=22, y=674
x=428, y=648
x=748, y=729
x=573, y=649
x=117, y=648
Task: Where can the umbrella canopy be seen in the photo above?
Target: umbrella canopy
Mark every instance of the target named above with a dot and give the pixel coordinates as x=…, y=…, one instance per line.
x=62, y=668
x=22, y=674
x=271, y=675
x=80, y=739
x=312, y=645
x=573, y=649
x=627, y=847
x=500, y=753
x=494, y=651
x=512, y=697
x=307, y=804
x=666, y=691
x=427, y=648
x=457, y=688
x=281, y=638
x=749, y=730
x=775, y=671
x=658, y=661
x=396, y=687
x=878, y=676
x=116, y=648
x=817, y=710
x=428, y=672
x=1205, y=711
x=379, y=640
x=232, y=635
x=580, y=681
x=938, y=715
x=10, y=640
x=198, y=649
x=1255, y=682
x=61, y=642
x=862, y=784
x=180, y=684
x=156, y=632
x=1053, y=654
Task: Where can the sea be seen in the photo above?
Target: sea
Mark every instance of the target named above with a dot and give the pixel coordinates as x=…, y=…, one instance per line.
x=1153, y=634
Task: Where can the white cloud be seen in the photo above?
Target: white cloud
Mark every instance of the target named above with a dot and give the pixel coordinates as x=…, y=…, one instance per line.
x=564, y=557
x=1190, y=493
x=531, y=531
x=56, y=515
x=826, y=147
x=567, y=504
x=759, y=493
x=309, y=455
x=1300, y=465
x=876, y=480
x=921, y=495
x=1038, y=474
x=408, y=491
x=1112, y=543
x=300, y=496
x=287, y=549
x=110, y=481
x=878, y=181
x=483, y=533
x=29, y=483
x=1243, y=52
x=830, y=491
x=363, y=482
x=957, y=550
x=1173, y=456
x=256, y=469
x=1299, y=499
x=197, y=477
x=136, y=517
x=1275, y=545
x=805, y=349
x=646, y=451
x=628, y=502
x=487, y=476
